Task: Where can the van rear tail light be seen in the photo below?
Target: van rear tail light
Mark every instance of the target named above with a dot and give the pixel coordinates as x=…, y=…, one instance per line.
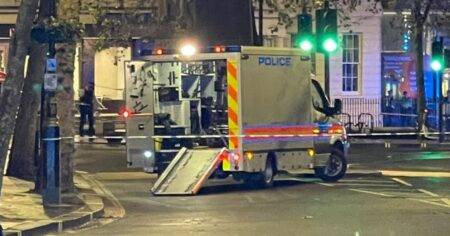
x=219, y=49
x=125, y=113
x=159, y=51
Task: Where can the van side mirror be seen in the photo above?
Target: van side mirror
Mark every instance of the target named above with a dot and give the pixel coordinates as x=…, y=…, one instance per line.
x=337, y=106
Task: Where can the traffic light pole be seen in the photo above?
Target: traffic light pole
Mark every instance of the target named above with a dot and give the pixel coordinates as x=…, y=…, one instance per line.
x=327, y=73
x=327, y=38
x=440, y=108
x=437, y=65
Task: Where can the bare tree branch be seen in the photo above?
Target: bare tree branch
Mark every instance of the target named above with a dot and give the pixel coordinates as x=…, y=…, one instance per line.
x=427, y=10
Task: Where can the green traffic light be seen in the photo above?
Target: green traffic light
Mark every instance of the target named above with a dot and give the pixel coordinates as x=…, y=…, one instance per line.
x=306, y=45
x=436, y=65
x=330, y=45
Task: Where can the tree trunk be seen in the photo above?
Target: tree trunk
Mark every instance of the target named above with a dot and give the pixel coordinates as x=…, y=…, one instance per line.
x=68, y=11
x=65, y=104
x=10, y=97
x=22, y=162
x=421, y=102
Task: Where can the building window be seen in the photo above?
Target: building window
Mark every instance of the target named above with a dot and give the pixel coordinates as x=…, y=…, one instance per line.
x=351, y=62
x=275, y=41
x=286, y=42
x=270, y=41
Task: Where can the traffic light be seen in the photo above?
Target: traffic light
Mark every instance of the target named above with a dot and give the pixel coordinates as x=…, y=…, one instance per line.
x=326, y=30
x=437, y=58
x=447, y=58
x=54, y=34
x=304, y=38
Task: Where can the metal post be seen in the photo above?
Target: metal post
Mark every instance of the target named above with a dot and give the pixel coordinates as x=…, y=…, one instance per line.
x=440, y=108
x=51, y=151
x=51, y=134
x=327, y=73
x=39, y=145
x=261, y=16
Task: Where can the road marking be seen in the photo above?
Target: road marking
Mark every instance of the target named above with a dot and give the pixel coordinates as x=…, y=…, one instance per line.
x=249, y=199
x=428, y=192
x=402, y=182
x=414, y=199
x=416, y=195
x=429, y=202
x=325, y=184
x=393, y=173
x=370, y=192
x=446, y=201
x=364, y=181
x=398, y=190
x=366, y=185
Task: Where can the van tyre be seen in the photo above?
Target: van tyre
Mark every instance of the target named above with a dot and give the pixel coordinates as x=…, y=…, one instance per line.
x=113, y=141
x=335, y=168
x=266, y=177
x=262, y=179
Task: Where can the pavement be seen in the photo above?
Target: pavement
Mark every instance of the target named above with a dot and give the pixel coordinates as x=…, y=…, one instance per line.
x=22, y=211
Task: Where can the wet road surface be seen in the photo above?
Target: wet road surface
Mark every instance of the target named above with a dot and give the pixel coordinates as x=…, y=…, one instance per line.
x=357, y=205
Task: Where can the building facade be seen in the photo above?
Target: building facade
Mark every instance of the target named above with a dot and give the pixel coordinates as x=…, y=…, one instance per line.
x=373, y=58
x=355, y=68
x=104, y=68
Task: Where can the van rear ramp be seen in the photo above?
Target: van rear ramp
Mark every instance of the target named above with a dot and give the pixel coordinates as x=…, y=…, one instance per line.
x=188, y=171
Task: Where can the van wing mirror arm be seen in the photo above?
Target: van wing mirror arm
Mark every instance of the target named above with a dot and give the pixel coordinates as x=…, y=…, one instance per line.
x=337, y=106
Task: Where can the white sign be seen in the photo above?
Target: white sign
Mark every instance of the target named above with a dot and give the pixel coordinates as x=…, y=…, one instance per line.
x=51, y=65
x=50, y=82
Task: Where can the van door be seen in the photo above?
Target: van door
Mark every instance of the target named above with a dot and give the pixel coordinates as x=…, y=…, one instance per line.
x=139, y=116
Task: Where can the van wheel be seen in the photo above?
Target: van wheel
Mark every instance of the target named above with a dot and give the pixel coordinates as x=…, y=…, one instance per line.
x=266, y=177
x=335, y=168
x=113, y=141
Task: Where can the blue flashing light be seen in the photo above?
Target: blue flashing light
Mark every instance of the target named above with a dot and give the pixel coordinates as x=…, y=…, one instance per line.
x=234, y=48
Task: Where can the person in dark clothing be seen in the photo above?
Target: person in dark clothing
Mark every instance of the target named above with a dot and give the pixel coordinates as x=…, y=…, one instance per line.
x=388, y=108
x=406, y=109
x=87, y=111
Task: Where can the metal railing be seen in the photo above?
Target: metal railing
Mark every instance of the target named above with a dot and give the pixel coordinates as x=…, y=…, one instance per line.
x=361, y=113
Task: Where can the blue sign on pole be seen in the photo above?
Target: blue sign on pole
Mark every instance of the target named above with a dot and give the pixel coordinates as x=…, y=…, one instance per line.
x=51, y=65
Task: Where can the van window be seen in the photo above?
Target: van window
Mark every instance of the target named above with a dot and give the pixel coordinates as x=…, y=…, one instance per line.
x=318, y=97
